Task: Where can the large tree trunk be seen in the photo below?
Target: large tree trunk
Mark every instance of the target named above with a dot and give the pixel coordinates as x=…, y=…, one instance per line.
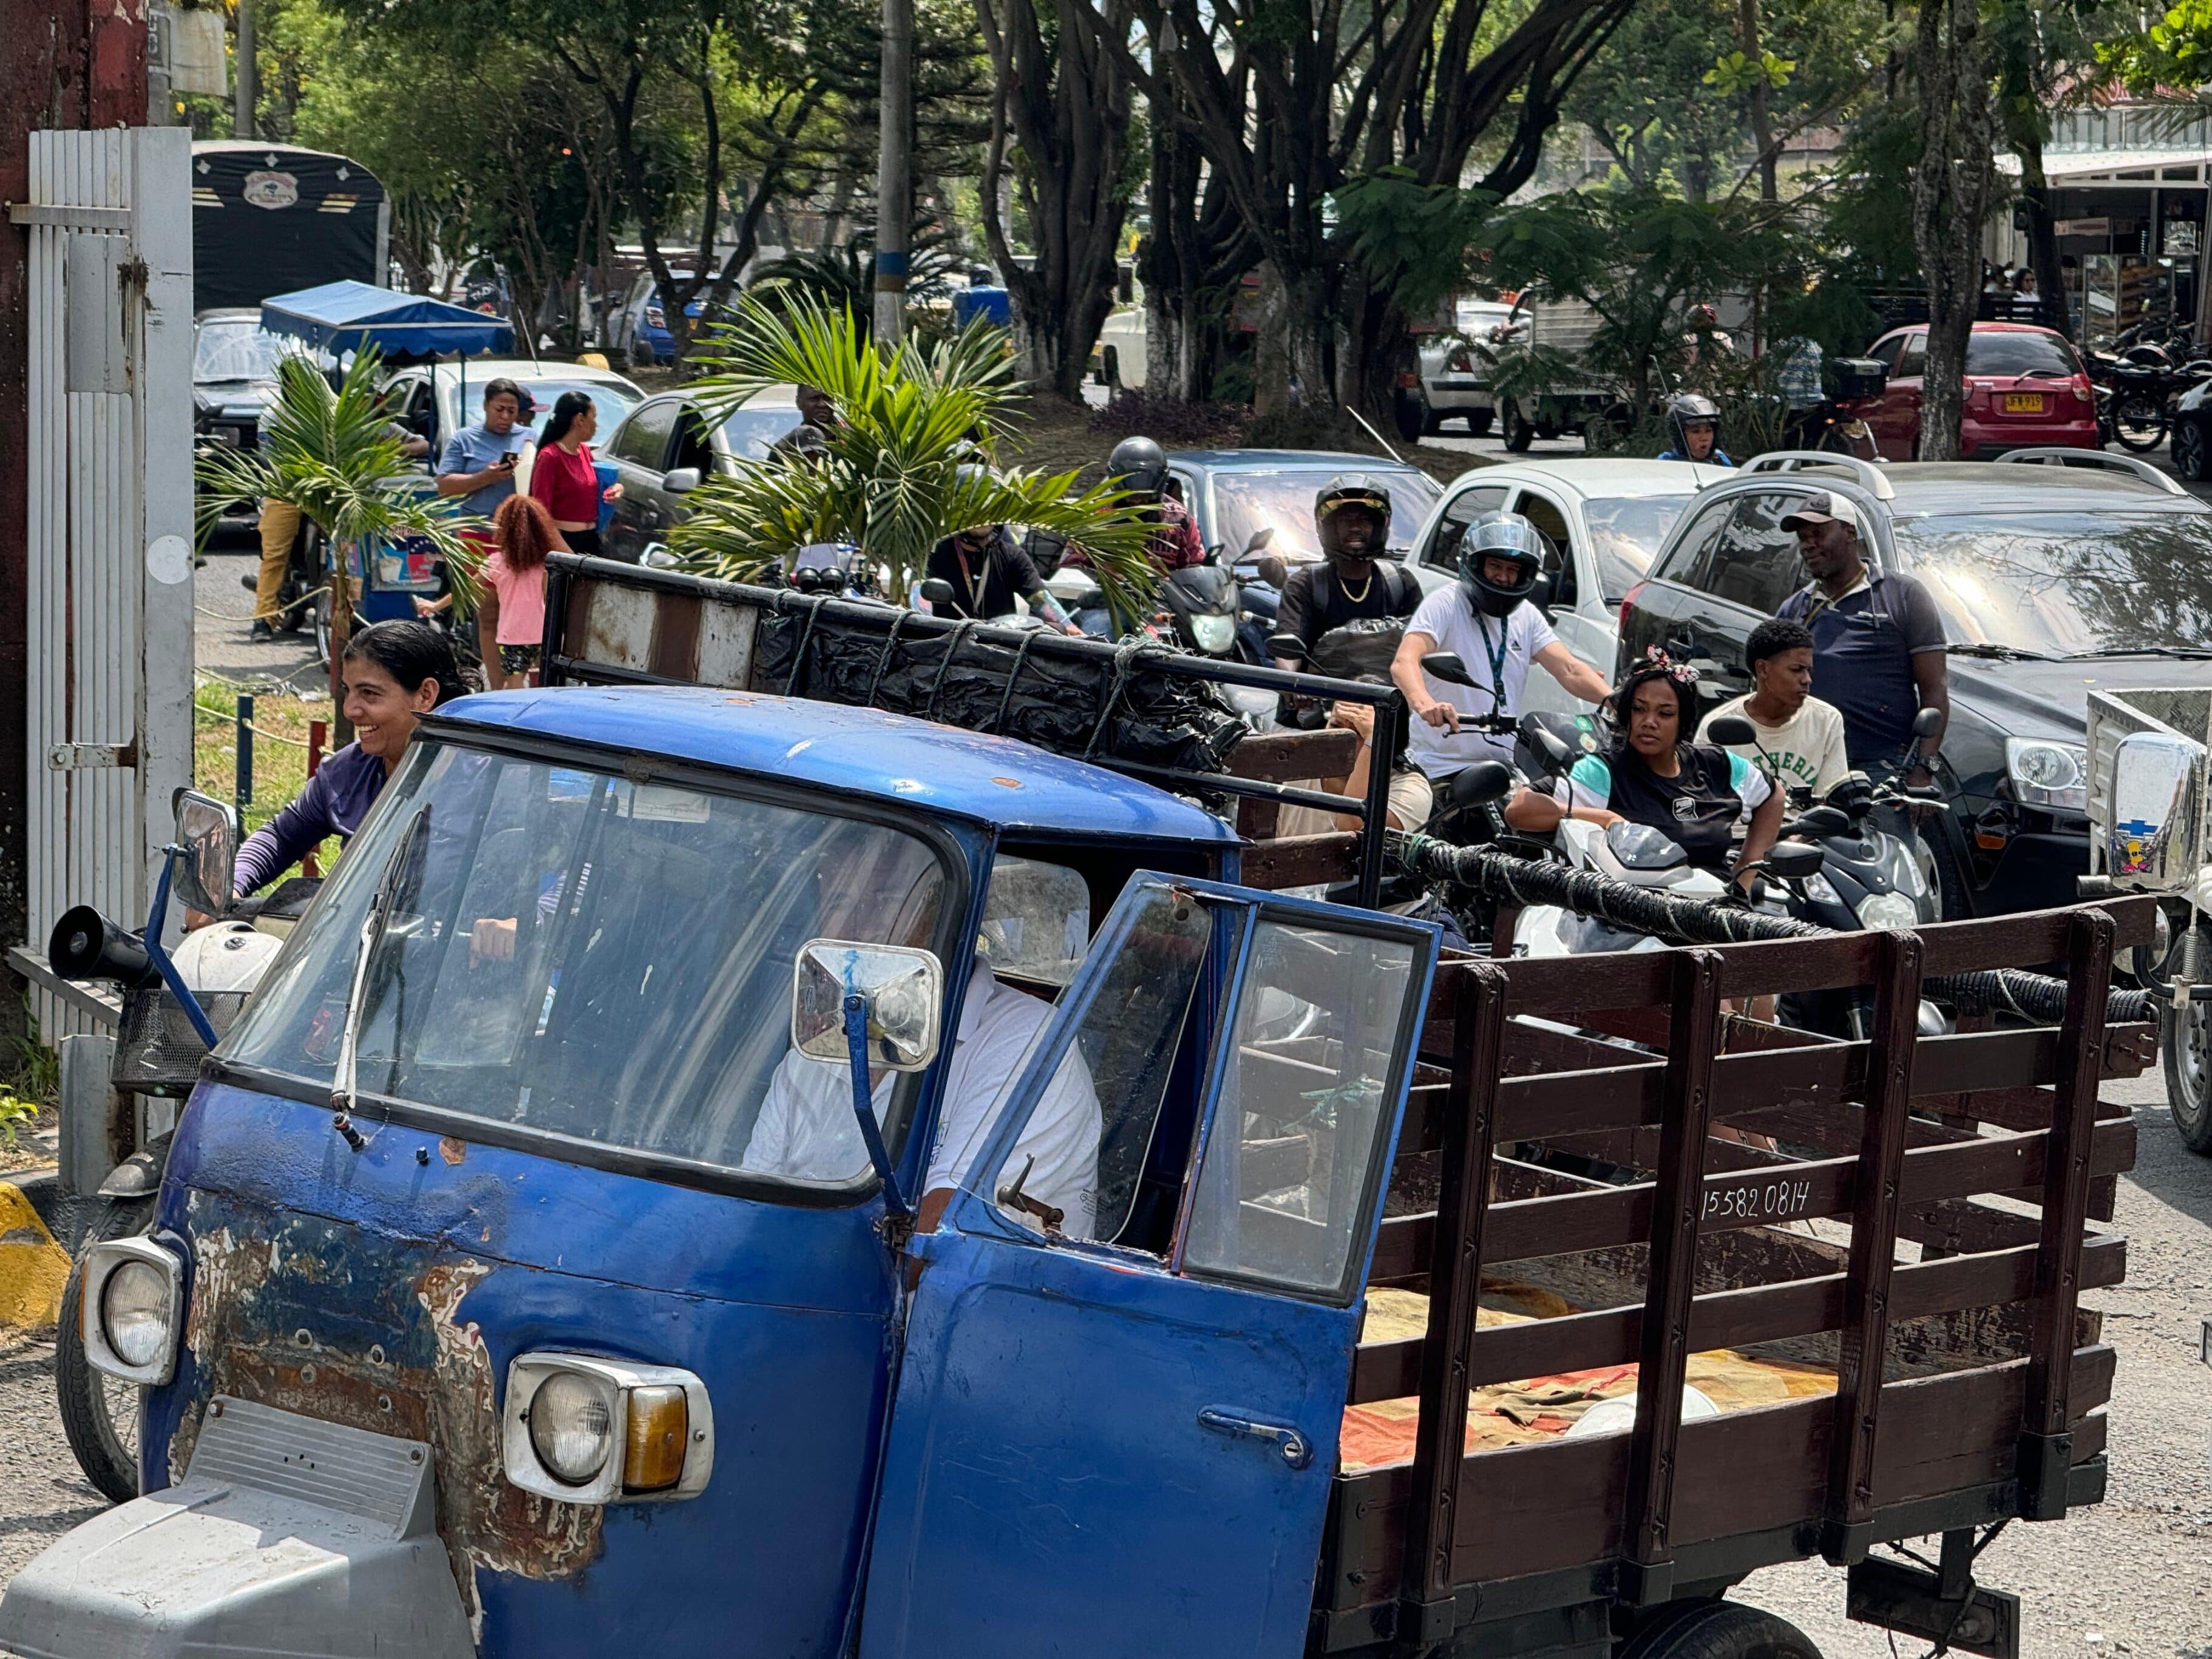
x=1950, y=187
x=2042, y=231
x=1762, y=123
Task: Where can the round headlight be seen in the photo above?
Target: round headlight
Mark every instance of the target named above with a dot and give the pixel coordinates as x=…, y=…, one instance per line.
x=134, y=1313
x=1884, y=910
x=1214, y=631
x=572, y=1427
x=2046, y=765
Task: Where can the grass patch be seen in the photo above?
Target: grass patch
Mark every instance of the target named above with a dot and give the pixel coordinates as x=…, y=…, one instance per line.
x=280, y=749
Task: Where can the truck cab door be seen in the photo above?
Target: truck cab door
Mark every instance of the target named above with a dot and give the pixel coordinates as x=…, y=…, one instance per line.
x=1116, y=1440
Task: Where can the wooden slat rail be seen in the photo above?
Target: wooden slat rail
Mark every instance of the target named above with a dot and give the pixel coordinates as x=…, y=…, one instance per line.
x=1572, y=1223
x=1727, y=1319
x=1647, y=1562
x=2045, y=1450
x=1455, y=1297
x=1301, y=860
x=1572, y=988
x=1292, y=757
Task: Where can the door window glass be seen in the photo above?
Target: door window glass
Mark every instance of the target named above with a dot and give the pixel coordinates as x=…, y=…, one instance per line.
x=1885, y=352
x=1444, y=541
x=1694, y=550
x=643, y=440
x=692, y=448
x=1296, y=1136
x=1036, y=921
x=1913, y=362
x=1753, y=561
x=1551, y=524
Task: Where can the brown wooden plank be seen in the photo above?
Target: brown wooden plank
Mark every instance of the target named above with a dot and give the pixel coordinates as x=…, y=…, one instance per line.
x=1454, y=1294
x=1647, y=1568
x=1863, y=1343
x=2043, y=1454
x=673, y=651
x=1301, y=860
x=1295, y=757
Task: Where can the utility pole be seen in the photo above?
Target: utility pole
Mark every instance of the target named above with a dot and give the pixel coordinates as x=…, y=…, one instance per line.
x=249, y=78
x=894, y=171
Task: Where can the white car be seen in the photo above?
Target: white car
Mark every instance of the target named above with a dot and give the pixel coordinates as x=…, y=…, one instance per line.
x=1453, y=382
x=429, y=399
x=1120, y=355
x=1602, y=521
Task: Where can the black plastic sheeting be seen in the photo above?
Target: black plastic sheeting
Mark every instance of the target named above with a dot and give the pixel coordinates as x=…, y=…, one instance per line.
x=1506, y=879
x=1054, y=694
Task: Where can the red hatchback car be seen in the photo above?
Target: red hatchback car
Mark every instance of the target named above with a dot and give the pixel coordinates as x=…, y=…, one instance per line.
x=2026, y=388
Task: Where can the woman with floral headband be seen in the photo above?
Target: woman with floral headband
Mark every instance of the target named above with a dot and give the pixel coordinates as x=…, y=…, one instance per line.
x=1651, y=773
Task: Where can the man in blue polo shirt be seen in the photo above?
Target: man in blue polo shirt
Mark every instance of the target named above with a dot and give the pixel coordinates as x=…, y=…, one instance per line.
x=1877, y=642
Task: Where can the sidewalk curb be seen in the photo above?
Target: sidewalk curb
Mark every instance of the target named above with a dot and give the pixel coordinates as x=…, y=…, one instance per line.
x=33, y=1268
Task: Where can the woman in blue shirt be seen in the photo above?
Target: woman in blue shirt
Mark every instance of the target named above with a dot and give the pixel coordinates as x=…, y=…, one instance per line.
x=1651, y=773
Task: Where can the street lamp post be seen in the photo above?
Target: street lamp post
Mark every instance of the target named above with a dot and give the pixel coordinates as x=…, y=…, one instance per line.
x=895, y=171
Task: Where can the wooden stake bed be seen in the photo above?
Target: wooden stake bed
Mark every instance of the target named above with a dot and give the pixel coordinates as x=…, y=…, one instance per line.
x=1908, y=1213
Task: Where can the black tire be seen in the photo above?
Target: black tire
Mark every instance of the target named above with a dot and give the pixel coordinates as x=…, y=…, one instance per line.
x=100, y=1415
x=2190, y=458
x=1953, y=886
x=1413, y=419
x=1478, y=422
x=1719, y=1630
x=1518, y=434
x=2139, y=420
x=2185, y=1053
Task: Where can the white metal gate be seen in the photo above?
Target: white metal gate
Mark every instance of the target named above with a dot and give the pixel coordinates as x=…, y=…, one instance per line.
x=109, y=448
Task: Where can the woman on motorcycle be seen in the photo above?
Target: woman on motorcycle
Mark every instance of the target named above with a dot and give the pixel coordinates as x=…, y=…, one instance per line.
x=394, y=673
x=1653, y=773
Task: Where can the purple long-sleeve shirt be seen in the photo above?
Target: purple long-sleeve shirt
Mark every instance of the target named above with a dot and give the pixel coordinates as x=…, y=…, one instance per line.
x=334, y=802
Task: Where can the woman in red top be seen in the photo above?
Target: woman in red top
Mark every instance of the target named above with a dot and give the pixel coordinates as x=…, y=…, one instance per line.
x=563, y=477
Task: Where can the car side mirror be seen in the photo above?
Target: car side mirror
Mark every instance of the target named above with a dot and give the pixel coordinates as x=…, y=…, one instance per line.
x=1485, y=781
x=1794, y=860
x=1274, y=572
x=1542, y=590
x=680, y=482
x=1927, y=723
x=1731, y=732
x=1446, y=665
x=937, y=591
x=901, y=993
x=207, y=830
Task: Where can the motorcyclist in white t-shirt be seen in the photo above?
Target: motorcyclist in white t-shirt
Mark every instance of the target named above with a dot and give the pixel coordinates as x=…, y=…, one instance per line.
x=1484, y=619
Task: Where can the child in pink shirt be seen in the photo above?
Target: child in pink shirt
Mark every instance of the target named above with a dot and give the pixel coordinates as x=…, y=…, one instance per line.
x=511, y=610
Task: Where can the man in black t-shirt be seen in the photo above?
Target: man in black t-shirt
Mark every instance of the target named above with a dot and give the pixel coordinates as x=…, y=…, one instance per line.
x=1352, y=519
x=986, y=568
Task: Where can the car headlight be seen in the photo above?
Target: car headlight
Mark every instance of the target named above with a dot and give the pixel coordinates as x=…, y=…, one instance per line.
x=1881, y=911
x=1214, y=631
x=2045, y=773
x=131, y=1307
x=591, y=1430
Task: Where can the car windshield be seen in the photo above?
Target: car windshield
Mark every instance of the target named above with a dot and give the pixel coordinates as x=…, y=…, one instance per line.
x=751, y=432
x=2007, y=353
x=612, y=401
x=1626, y=535
x=1245, y=503
x=2063, y=584
x=575, y=954
x=236, y=351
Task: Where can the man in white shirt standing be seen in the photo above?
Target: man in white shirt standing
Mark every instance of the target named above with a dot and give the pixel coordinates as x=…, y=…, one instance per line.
x=1801, y=738
x=1485, y=620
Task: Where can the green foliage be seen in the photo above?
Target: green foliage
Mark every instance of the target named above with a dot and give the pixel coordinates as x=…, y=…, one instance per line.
x=899, y=475
x=2176, y=51
x=844, y=278
x=1734, y=74
x=1415, y=239
x=332, y=454
x=15, y=1116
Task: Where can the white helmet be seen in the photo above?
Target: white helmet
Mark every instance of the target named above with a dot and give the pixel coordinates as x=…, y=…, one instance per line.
x=225, y=956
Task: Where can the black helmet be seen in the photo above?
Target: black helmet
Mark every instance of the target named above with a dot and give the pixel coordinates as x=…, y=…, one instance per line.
x=1501, y=536
x=1354, y=489
x=1690, y=409
x=1138, y=464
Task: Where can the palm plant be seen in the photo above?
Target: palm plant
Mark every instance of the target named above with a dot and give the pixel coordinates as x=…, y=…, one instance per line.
x=899, y=474
x=333, y=454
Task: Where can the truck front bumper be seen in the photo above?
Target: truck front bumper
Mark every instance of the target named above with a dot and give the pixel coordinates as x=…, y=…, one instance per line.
x=287, y=1537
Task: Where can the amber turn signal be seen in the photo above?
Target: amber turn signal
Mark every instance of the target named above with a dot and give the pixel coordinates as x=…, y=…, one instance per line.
x=659, y=1429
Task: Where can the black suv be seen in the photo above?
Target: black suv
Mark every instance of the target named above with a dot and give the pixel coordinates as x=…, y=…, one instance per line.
x=2056, y=571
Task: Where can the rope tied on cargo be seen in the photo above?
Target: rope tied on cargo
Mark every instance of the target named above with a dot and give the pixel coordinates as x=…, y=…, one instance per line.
x=953, y=641
x=1125, y=663
x=884, y=658
x=1509, y=880
x=1014, y=675
x=813, y=604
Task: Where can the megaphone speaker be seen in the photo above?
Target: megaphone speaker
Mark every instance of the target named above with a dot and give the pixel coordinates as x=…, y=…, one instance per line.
x=86, y=944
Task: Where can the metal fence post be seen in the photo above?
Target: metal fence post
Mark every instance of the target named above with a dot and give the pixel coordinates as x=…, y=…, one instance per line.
x=242, y=796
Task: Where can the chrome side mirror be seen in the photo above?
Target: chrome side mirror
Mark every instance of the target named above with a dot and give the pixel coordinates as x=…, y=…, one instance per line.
x=682, y=481
x=902, y=991
x=208, y=831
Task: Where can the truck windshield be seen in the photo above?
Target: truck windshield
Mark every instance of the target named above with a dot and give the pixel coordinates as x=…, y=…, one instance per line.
x=577, y=954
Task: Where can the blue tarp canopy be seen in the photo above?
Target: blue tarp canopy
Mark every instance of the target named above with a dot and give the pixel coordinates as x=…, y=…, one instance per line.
x=343, y=316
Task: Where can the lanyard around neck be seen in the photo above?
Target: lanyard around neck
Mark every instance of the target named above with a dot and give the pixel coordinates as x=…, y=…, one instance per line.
x=1497, y=658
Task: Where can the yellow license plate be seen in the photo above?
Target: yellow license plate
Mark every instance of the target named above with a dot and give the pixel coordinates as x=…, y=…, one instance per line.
x=2023, y=403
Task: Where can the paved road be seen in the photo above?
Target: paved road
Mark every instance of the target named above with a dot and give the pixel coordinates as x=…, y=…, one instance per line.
x=2133, y=1576
x=224, y=611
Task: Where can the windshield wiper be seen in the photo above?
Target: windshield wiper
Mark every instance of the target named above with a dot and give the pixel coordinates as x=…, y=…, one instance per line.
x=1996, y=653
x=2188, y=653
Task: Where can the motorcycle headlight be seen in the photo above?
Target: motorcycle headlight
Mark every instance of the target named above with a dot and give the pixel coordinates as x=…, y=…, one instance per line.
x=591, y=1430
x=1879, y=911
x=131, y=1308
x=1215, y=631
x=1821, y=890
x=2045, y=773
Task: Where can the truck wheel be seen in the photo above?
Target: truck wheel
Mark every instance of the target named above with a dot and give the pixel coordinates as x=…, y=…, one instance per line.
x=1518, y=434
x=100, y=1415
x=1720, y=1630
x=2184, y=1050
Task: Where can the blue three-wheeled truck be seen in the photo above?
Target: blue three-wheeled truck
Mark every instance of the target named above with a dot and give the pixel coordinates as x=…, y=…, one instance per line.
x=726, y=1168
